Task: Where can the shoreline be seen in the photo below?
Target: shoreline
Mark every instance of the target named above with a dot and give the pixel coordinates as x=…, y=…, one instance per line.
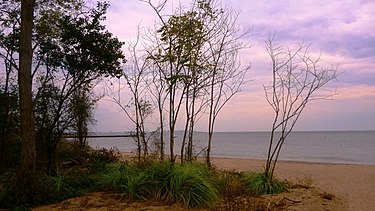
x=292, y=161
x=354, y=184
x=131, y=154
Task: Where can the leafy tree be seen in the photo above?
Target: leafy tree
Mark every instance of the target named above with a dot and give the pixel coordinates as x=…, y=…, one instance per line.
x=79, y=54
x=196, y=55
x=73, y=52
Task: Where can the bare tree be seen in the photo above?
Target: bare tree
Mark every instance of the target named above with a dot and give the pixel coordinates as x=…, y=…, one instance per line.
x=226, y=73
x=157, y=88
x=139, y=107
x=297, y=78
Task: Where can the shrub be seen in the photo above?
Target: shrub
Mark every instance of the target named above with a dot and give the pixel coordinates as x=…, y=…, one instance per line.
x=105, y=155
x=70, y=153
x=98, y=158
x=230, y=183
x=47, y=189
x=262, y=183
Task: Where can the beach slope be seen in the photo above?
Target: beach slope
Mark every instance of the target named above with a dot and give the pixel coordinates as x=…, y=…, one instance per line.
x=354, y=184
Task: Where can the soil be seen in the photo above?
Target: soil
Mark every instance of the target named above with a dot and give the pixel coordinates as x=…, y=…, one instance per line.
x=298, y=198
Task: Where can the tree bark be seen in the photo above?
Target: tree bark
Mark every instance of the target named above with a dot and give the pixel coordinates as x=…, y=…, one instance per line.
x=26, y=170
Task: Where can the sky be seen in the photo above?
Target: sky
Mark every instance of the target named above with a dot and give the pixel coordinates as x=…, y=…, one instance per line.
x=342, y=32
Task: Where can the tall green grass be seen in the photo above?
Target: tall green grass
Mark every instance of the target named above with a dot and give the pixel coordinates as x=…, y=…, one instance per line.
x=262, y=183
x=190, y=184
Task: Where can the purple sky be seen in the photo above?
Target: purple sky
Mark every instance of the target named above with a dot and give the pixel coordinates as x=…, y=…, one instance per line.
x=343, y=31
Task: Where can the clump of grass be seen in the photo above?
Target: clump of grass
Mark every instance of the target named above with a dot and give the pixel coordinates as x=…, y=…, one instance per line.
x=262, y=183
x=192, y=185
x=57, y=188
x=115, y=176
x=189, y=184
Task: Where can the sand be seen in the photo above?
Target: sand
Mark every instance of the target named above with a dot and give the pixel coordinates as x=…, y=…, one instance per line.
x=354, y=184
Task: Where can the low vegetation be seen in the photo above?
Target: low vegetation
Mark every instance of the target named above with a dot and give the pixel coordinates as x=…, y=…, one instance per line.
x=80, y=171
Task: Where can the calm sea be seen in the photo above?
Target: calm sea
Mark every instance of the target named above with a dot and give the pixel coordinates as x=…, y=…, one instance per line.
x=351, y=147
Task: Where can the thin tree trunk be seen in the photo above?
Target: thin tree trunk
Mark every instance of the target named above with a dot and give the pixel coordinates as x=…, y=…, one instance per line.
x=186, y=126
x=211, y=121
x=191, y=128
x=161, y=131
x=171, y=125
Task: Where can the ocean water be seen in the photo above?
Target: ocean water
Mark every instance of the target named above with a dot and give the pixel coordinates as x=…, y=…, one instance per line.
x=349, y=147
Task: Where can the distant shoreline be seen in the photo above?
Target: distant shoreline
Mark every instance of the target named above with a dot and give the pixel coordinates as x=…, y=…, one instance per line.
x=257, y=131
x=310, y=147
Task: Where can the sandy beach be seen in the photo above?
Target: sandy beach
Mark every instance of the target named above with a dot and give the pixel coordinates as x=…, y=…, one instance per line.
x=354, y=184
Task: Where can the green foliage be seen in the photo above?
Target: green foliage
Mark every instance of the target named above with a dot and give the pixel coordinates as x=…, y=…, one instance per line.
x=115, y=176
x=79, y=51
x=48, y=189
x=84, y=47
x=262, y=183
x=98, y=158
x=82, y=181
x=57, y=188
x=190, y=184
